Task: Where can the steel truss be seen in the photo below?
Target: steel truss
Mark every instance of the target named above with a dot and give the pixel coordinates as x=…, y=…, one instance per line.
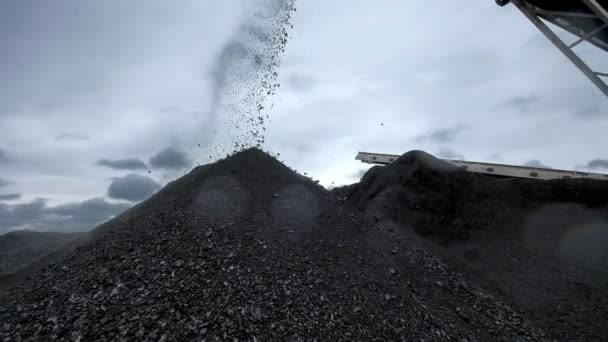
x=588, y=20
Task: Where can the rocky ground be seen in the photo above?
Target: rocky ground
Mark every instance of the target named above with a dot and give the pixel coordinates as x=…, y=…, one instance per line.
x=246, y=249
x=540, y=245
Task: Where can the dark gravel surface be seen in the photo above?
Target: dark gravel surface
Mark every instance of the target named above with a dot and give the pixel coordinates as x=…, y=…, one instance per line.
x=540, y=245
x=246, y=249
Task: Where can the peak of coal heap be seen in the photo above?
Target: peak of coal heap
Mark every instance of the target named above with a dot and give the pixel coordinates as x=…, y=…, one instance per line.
x=420, y=159
x=246, y=249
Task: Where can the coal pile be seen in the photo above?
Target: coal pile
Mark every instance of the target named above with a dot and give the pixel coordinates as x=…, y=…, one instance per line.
x=438, y=199
x=245, y=249
x=539, y=245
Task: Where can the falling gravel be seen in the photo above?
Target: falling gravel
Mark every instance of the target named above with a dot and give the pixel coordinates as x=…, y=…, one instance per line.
x=246, y=249
x=245, y=76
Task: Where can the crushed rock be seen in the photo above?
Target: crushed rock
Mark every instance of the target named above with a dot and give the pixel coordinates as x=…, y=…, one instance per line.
x=539, y=245
x=170, y=269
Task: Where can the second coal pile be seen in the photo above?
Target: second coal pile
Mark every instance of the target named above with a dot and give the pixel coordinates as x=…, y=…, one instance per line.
x=441, y=200
x=539, y=245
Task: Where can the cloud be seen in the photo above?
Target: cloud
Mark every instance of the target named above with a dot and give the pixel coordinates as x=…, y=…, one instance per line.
x=359, y=174
x=444, y=135
x=597, y=164
x=522, y=104
x=170, y=158
x=123, y=164
x=536, y=163
x=9, y=197
x=24, y=211
x=303, y=147
x=301, y=82
x=36, y=215
x=20, y=215
x=72, y=136
x=494, y=156
x=4, y=182
x=3, y=156
x=132, y=187
x=590, y=112
x=91, y=211
x=448, y=153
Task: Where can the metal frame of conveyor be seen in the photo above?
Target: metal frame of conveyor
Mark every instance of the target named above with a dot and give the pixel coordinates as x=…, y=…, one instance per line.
x=587, y=19
x=492, y=169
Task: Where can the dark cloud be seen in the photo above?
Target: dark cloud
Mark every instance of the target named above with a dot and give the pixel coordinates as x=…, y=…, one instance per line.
x=301, y=82
x=448, y=153
x=590, y=112
x=597, y=164
x=29, y=210
x=4, y=182
x=36, y=215
x=170, y=158
x=494, y=156
x=72, y=136
x=444, y=135
x=3, y=156
x=303, y=147
x=522, y=104
x=94, y=210
x=123, y=164
x=536, y=163
x=9, y=197
x=132, y=187
x=22, y=215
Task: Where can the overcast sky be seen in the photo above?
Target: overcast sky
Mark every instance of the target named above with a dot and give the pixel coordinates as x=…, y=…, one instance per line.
x=103, y=102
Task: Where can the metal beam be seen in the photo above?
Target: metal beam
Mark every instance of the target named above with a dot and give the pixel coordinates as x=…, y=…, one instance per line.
x=565, y=25
x=579, y=63
x=588, y=36
x=601, y=12
x=562, y=14
x=493, y=169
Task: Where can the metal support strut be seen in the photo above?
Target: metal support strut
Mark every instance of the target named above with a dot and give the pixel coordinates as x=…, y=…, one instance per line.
x=596, y=8
x=600, y=13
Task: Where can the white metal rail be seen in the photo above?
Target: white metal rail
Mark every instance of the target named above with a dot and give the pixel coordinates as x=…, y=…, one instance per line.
x=492, y=168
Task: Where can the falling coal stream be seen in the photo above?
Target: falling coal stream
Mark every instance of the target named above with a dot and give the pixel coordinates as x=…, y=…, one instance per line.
x=245, y=75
